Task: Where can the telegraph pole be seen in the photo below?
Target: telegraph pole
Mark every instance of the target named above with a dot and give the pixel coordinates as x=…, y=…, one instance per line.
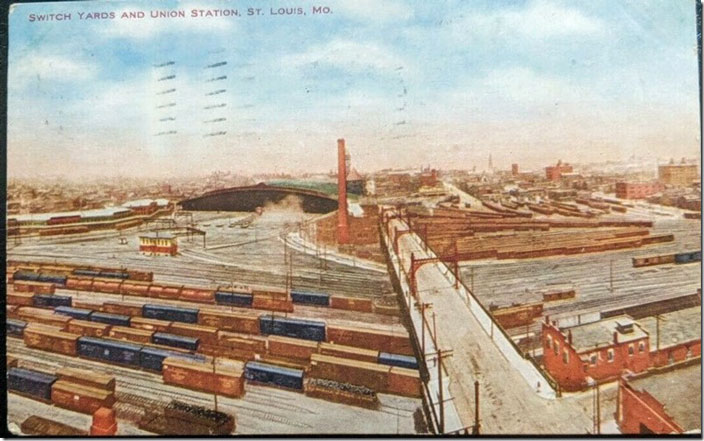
x=476, y=408
x=611, y=275
x=440, y=355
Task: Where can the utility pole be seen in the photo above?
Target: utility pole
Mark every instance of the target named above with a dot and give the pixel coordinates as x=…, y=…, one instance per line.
x=611, y=275
x=472, y=273
x=423, y=307
x=441, y=403
x=477, y=425
x=215, y=389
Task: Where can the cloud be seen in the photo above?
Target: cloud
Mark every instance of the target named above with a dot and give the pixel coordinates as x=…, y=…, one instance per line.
x=348, y=55
x=376, y=11
x=50, y=67
x=539, y=19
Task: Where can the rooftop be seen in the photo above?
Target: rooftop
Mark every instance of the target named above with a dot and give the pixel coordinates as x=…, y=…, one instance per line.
x=43, y=217
x=146, y=202
x=601, y=333
x=157, y=235
x=679, y=391
x=675, y=327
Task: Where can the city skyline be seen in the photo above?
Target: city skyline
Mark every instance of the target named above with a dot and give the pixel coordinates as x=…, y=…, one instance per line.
x=404, y=82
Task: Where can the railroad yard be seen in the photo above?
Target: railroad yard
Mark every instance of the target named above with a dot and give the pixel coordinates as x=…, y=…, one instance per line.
x=234, y=257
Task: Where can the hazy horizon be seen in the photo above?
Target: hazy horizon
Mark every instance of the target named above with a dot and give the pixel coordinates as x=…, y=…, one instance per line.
x=406, y=83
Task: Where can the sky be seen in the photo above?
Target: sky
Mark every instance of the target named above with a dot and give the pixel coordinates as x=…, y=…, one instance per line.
x=407, y=83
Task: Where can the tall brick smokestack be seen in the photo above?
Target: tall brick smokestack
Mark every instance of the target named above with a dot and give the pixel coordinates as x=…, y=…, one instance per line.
x=343, y=235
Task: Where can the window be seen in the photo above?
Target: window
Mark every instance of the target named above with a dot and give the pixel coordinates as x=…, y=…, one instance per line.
x=689, y=352
x=556, y=347
x=641, y=346
x=592, y=359
x=630, y=350
x=565, y=356
x=610, y=355
x=548, y=342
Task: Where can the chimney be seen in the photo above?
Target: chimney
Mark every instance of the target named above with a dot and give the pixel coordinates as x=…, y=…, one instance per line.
x=569, y=337
x=514, y=169
x=615, y=337
x=342, y=228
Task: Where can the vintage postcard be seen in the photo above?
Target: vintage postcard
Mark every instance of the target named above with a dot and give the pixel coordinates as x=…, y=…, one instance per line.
x=350, y=217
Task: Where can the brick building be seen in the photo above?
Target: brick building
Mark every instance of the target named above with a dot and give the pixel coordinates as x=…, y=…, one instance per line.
x=604, y=349
x=637, y=190
x=155, y=244
x=681, y=175
x=666, y=403
x=554, y=172
x=600, y=350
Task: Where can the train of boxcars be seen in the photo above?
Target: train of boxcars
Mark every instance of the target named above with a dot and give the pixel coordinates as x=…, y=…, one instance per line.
x=677, y=258
x=187, y=368
x=40, y=277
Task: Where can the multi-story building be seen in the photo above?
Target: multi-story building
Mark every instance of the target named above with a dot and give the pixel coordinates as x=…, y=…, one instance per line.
x=637, y=190
x=554, y=172
x=599, y=350
x=603, y=350
x=681, y=175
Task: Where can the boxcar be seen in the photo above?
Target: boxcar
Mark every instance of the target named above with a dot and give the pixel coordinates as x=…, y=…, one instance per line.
x=58, y=279
x=86, y=272
x=170, y=313
x=25, y=275
x=177, y=341
x=109, y=350
x=110, y=319
x=404, y=361
x=310, y=298
x=30, y=383
x=77, y=313
x=48, y=300
x=694, y=256
x=113, y=275
x=233, y=298
x=153, y=358
x=15, y=327
x=290, y=327
x=274, y=375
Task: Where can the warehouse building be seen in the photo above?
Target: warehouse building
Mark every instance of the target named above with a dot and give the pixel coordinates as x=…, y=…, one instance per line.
x=681, y=175
x=604, y=349
x=600, y=350
x=666, y=403
x=637, y=190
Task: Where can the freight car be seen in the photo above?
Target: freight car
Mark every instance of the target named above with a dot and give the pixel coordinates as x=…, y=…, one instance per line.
x=15, y=328
x=39, y=277
x=153, y=358
x=176, y=341
x=310, y=298
x=290, y=327
x=50, y=301
x=653, y=260
x=77, y=313
x=110, y=319
x=58, y=220
x=170, y=313
x=274, y=375
x=30, y=383
x=233, y=298
x=403, y=361
x=109, y=350
x=689, y=257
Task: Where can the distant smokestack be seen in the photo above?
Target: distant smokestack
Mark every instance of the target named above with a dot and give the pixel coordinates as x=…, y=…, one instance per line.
x=514, y=169
x=342, y=228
